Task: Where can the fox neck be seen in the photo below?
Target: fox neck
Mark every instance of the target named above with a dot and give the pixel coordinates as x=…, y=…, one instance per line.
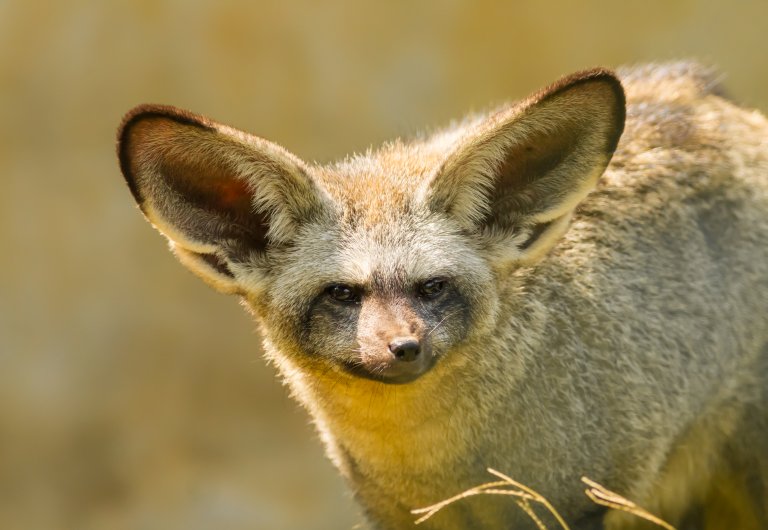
x=421, y=433
x=377, y=423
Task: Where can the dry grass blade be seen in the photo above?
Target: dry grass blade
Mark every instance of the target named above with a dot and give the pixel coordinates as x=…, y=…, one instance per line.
x=536, y=496
x=524, y=494
x=526, y=507
x=490, y=488
x=605, y=497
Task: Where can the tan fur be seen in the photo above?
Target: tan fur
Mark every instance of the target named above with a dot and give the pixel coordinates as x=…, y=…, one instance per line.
x=607, y=322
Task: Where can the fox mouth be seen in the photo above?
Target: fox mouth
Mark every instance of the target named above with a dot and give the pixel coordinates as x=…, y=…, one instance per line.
x=391, y=372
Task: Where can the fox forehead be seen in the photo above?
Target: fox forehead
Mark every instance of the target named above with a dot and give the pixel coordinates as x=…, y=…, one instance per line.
x=391, y=254
x=372, y=187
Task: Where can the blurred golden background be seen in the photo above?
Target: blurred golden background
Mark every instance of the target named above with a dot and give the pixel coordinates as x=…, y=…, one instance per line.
x=131, y=395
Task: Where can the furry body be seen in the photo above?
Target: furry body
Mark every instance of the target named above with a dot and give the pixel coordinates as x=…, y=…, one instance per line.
x=620, y=336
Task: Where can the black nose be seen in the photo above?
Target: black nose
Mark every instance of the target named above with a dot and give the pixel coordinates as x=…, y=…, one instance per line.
x=405, y=349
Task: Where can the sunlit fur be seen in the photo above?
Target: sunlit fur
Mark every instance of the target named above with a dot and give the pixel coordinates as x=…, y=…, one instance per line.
x=607, y=322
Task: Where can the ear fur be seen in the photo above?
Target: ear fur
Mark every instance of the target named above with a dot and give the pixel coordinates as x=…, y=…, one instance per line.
x=519, y=174
x=218, y=194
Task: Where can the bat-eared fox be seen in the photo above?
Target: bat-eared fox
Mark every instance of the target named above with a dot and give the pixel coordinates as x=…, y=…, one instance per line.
x=572, y=285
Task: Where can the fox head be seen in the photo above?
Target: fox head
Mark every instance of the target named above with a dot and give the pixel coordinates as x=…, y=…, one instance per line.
x=378, y=266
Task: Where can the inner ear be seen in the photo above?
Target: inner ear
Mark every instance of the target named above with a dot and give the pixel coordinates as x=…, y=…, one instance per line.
x=518, y=187
x=209, y=187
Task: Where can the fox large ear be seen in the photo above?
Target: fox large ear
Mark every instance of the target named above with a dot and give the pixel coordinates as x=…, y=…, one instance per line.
x=219, y=195
x=518, y=175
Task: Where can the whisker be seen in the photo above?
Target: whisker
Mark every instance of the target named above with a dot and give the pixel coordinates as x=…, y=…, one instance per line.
x=439, y=323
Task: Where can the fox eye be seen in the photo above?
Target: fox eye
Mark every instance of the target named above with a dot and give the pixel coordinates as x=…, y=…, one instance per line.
x=343, y=293
x=432, y=287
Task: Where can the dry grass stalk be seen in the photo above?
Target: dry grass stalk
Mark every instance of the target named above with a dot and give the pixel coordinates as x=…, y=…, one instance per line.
x=605, y=497
x=525, y=505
